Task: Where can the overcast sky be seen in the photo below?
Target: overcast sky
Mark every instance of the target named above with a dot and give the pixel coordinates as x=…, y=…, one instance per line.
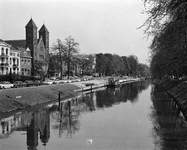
x=99, y=26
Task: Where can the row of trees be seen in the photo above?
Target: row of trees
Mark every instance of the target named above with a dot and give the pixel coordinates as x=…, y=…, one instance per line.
x=66, y=53
x=108, y=64
x=167, y=23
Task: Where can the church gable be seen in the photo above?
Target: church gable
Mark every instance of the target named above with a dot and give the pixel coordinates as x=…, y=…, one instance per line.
x=41, y=51
x=41, y=47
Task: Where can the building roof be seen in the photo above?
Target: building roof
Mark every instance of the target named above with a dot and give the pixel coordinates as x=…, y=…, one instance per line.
x=17, y=43
x=3, y=43
x=31, y=24
x=25, y=53
x=43, y=29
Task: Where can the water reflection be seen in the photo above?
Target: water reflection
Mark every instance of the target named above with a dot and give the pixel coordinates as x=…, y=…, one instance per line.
x=127, y=92
x=37, y=124
x=65, y=119
x=169, y=128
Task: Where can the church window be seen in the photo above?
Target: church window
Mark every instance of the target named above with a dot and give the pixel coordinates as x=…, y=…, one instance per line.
x=22, y=62
x=29, y=35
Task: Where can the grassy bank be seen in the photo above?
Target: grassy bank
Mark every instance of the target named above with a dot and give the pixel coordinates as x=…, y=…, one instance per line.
x=15, y=99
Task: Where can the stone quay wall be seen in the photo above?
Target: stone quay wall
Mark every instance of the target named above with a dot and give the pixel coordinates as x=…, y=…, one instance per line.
x=177, y=90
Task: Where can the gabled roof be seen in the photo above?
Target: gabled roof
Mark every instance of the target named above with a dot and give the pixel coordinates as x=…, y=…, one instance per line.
x=40, y=43
x=25, y=53
x=43, y=29
x=31, y=24
x=17, y=43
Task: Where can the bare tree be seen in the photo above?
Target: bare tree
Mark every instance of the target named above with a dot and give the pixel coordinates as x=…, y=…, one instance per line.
x=71, y=48
x=60, y=49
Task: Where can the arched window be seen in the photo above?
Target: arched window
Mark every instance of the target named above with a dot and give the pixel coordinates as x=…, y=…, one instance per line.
x=2, y=52
x=6, y=51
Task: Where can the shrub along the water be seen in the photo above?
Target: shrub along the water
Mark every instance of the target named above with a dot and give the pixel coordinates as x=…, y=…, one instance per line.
x=15, y=77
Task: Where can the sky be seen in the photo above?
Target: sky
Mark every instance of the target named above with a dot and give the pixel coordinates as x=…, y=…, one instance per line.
x=99, y=26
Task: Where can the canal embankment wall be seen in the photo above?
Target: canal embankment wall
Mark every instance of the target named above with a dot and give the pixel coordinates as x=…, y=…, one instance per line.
x=177, y=90
x=20, y=98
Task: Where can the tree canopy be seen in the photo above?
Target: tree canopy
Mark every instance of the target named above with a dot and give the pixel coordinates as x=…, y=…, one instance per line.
x=108, y=64
x=65, y=50
x=166, y=22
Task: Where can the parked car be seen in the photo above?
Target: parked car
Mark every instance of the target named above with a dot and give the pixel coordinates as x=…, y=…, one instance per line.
x=18, y=84
x=29, y=83
x=53, y=78
x=38, y=83
x=6, y=85
x=48, y=82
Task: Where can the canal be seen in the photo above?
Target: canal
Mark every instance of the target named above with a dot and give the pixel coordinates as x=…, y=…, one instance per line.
x=134, y=116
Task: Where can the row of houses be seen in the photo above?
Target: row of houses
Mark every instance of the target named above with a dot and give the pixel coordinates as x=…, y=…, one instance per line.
x=19, y=56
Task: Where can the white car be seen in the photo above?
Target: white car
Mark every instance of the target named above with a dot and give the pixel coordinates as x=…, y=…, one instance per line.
x=48, y=82
x=6, y=85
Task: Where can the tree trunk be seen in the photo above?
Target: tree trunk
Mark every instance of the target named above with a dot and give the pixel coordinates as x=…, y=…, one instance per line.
x=69, y=63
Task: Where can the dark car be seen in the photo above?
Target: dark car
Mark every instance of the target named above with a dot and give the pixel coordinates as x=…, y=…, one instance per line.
x=18, y=84
x=38, y=83
x=29, y=83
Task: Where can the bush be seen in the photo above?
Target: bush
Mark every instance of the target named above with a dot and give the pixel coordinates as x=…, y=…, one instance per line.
x=15, y=77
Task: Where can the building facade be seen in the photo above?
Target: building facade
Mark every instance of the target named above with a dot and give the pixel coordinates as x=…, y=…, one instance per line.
x=14, y=62
x=25, y=62
x=9, y=59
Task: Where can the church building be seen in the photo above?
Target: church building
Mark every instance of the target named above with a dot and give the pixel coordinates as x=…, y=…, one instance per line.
x=38, y=46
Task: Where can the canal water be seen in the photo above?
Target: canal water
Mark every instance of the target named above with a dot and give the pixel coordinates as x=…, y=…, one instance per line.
x=134, y=116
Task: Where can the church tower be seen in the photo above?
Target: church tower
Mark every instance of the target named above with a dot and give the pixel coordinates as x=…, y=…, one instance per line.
x=31, y=38
x=44, y=33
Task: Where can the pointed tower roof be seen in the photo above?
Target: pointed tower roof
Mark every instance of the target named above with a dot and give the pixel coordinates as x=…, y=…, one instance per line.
x=43, y=29
x=31, y=24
